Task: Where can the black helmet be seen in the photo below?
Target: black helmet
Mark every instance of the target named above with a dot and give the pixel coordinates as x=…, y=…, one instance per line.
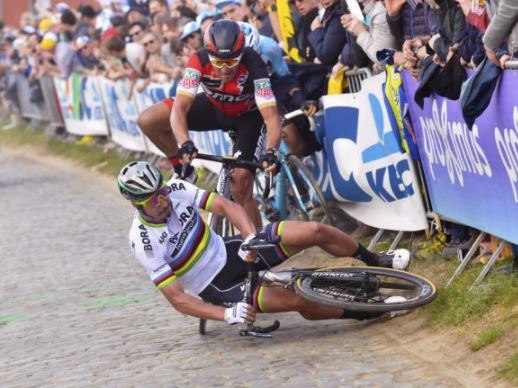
x=224, y=39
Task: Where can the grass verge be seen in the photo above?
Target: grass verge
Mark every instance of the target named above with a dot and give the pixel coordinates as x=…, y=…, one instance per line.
x=510, y=369
x=486, y=338
x=89, y=155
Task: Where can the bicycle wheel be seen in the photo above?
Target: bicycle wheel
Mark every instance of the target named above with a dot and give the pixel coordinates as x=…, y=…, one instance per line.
x=365, y=289
x=305, y=193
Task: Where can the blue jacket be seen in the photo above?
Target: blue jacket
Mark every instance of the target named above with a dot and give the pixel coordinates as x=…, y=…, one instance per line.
x=328, y=41
x=411, y=23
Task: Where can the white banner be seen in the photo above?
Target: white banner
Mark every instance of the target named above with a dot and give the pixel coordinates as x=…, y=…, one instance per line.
x=81, y=105
x=364, y=166
x=122, y=114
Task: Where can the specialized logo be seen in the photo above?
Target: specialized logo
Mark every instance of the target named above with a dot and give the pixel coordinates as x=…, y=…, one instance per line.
x=263, y=88
x=190, y=79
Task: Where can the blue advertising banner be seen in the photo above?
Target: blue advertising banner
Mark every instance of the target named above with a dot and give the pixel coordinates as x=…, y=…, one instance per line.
x=471, y=175
x=364, y=167
x=122, y=114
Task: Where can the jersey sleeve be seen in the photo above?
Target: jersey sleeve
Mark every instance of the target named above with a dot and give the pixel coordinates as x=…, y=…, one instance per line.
x=160, y=273
x=191, y=79
x=263, y=92
x=190, y=194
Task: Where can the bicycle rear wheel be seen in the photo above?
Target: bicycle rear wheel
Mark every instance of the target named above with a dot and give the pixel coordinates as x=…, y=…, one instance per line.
x=305, y=194
x=365, y=289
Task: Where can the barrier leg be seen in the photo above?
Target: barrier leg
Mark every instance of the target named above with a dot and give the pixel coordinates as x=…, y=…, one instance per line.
x=489, y=264
x=375, y=239
x=466, y=259
x=396, y=241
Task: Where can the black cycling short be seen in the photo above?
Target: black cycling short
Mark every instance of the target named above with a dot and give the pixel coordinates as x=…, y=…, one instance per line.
x=229, y=285
x=204, y=116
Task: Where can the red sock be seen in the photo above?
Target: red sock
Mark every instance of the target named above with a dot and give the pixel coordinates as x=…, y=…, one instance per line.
x=174, y=161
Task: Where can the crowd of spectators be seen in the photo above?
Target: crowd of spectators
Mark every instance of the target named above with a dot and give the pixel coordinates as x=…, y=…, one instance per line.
x=152, y=39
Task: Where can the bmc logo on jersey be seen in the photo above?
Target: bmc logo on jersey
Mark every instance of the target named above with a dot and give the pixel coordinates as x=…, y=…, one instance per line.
x=263, y=88
x=191, y=79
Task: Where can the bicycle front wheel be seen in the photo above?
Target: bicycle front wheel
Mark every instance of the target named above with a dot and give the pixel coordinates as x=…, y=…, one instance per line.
x=366, y=289
x=305, y=193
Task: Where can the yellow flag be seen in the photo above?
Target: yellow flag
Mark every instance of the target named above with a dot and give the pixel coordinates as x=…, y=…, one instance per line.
x=287, y=30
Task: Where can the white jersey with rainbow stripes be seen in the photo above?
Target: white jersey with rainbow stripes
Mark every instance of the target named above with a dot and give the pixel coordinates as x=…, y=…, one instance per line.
x=184, y=248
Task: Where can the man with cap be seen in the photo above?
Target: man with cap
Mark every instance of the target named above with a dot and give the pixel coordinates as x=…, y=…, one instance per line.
x=191, y=36
x=231, y=10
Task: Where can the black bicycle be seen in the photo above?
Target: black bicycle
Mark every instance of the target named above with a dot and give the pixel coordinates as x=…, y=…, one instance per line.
x=351, y=288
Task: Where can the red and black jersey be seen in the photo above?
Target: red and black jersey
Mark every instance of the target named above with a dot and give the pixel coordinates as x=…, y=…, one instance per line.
x=249, y=88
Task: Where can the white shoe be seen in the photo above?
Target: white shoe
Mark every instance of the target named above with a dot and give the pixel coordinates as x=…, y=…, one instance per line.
x=397, y=259
x=393, y=300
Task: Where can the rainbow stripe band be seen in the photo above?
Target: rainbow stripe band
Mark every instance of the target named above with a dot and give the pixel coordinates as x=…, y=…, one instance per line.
x=206, y=200
x=258, y=299
x=281, y=249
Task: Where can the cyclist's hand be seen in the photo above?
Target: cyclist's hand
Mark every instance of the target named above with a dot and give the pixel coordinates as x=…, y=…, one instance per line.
x=309, y=107
x=187, y=152
x=248, y=256
x=269, y=161
x=240, y=313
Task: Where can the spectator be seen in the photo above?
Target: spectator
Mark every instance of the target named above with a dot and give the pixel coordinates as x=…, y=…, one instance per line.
x=126, y=60
x=155, y=68
x=65, y=54
x=504, y=24
x=85, y=46
x=231, y=10
x=308, y=11
x=412, y=23
x=87, y=22
x=159, y=6
x=136, y=31
x=135, y=15
x=141, y=6
x=373, y=34
x=191, y=36
x=204, y=19
x=327, y=36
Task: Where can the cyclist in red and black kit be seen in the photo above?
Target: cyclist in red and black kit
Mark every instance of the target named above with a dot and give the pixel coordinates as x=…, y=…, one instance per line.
x=237, y=95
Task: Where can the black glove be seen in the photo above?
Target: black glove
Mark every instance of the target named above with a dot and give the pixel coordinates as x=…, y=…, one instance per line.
x=309, y=107
x=270, y=157
x=187, y=148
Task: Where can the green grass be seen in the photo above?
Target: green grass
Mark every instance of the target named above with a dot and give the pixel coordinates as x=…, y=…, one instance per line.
x=89, y=155
x=487, y=337
x=510, y=369
x=459, y=303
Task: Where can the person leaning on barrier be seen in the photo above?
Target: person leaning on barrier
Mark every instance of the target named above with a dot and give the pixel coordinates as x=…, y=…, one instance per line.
x=504, y=24
x=183, y=256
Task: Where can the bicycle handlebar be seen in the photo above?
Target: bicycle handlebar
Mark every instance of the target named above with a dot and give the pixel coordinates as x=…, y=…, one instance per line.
x=228, y=159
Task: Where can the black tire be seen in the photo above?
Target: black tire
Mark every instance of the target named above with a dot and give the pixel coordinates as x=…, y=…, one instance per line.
x=364, y=289
x=318, y=209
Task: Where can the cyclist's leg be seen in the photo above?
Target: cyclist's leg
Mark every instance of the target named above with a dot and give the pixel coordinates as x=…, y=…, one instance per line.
x=299, y=235
x=274, y=299
x=249, y=136
x=154, y=123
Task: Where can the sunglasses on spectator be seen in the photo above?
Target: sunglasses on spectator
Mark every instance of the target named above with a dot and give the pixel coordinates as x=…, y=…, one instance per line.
x=135, y=33
x=154, y=200
x=219, y=63
x=148, y=43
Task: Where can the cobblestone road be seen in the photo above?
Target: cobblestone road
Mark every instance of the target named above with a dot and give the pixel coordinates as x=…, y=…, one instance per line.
x=77, y=310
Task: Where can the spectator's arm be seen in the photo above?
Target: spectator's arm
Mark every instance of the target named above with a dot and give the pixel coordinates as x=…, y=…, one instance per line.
x=505, y=18
x=327, y=45
x=378, y=38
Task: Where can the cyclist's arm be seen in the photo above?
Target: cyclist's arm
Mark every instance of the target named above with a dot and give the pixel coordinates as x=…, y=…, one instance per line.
x=235, y=213
x=185, y=95
x=181, y=106
x=190, y=305
x=273, y=125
